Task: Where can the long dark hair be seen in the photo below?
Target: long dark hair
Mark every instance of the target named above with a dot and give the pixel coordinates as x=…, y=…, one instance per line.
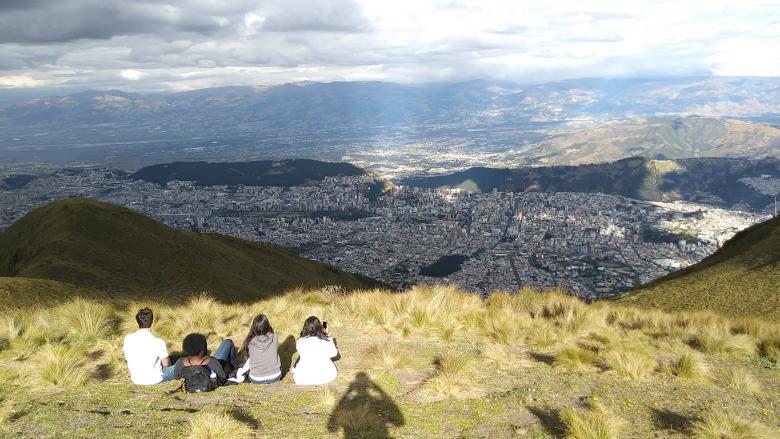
x=260, y=326
x=312, y=327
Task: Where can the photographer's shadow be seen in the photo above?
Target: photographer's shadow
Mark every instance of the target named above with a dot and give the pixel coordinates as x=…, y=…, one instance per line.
x=365, y=411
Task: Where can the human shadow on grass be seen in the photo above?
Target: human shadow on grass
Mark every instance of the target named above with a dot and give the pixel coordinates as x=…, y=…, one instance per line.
x=550, y=420
x=365, y=411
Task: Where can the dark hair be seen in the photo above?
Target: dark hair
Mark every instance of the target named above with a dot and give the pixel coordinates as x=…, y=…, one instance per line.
x=312, y=327
x=195, y=345
x=260, y=326
x=144, y=317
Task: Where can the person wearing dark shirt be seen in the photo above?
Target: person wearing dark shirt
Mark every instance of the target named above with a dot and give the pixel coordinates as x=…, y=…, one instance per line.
x=196, y=347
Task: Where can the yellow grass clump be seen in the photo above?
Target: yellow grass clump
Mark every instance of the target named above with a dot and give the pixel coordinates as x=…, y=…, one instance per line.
x=595, y=423
x=575, y=358
x=689, y=366
x=739, y=379
x=632, y=361
x=217, y=425
x=719, y=424
x=60, y=365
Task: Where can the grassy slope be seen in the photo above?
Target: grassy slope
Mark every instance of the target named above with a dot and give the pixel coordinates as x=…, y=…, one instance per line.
x=96, y=245
x=740, y=279
x=439, y=363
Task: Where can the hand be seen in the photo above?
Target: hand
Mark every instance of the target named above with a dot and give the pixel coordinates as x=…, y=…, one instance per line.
x=238, y=379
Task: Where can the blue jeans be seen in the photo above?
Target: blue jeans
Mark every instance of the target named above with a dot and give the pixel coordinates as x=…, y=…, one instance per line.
x=167, y=373
x=272, y=380
x=226, y=354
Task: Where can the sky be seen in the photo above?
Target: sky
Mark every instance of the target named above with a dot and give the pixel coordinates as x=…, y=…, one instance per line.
x=59, y=46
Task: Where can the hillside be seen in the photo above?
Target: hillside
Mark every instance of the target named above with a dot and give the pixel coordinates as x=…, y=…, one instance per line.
x=100, y=246
x=740, y=279
x=667, y=137
x=426, y=363
x=707, y=180
x=256, y=173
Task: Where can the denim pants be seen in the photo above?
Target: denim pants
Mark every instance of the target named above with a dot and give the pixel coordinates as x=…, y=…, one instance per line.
x=226, y=354
x=167, y=373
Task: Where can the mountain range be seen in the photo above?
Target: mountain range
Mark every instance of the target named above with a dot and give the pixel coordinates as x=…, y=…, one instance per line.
x=94, y=248
x=575, y=121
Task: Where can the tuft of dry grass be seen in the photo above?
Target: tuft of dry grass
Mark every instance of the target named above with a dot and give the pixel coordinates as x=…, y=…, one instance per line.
x=60, y=365
x=217, y=425
x=689, y=366
x=86, y=320
x=575, y=358
x=723, y=425
x=726, y=344
x=739, y=379
x=632, y=361
x=453, y=375
x=386, y=357
x=595, y=423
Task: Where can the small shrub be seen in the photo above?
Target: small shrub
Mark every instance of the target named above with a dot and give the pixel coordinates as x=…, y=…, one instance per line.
x=575, y=358
x=629, y=361
x=60, y=365
x=689, y=366
x=723, y=425
x=741, y=380
x=595, y=423
x=217, y=425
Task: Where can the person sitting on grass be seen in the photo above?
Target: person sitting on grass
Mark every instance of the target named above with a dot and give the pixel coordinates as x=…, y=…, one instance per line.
x=146, y=355
x=316, y=350
x=196, y=347
x=262, y=355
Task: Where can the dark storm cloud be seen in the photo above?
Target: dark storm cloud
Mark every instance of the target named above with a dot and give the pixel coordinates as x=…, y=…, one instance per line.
x=68, y=20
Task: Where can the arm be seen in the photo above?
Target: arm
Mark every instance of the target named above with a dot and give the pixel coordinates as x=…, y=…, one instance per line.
x=217, y=368
x=177, y=368
x=331, y=350
x=166, y=361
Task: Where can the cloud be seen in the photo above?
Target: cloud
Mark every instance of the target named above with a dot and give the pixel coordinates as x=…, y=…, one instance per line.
x=145, y=45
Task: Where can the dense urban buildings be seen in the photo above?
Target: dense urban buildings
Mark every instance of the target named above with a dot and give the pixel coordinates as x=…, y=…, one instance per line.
x=591, y=244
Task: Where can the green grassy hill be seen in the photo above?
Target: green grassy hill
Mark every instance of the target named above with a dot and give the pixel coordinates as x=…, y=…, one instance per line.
x=740, y=279
x=99, y=246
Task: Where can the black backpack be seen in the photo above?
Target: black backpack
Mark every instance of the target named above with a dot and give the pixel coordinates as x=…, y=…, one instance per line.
x=197, y=378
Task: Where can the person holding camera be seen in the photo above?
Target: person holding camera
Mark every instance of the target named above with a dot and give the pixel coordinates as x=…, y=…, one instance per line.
x=317, y=350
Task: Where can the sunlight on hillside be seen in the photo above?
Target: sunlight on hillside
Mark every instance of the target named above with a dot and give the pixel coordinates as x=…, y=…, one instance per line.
x=430, y=362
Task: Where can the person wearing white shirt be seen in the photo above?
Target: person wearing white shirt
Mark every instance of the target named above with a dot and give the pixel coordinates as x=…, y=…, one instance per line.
x=316, y=351
x=146, y=355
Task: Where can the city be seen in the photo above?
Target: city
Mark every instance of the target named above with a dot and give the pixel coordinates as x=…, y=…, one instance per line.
x=590, y=244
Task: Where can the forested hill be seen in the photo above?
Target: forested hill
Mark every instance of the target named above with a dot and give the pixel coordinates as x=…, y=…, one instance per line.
x=713, y=181
x=255, y=173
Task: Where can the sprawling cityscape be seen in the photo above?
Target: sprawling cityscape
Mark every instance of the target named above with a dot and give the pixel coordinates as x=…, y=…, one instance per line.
x=591, y=244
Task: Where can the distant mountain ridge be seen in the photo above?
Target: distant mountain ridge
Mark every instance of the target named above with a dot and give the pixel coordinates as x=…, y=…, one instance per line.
x=655, y=137
x=740, y=279
x=707, y=180
x=332, y=121
x=98, y=246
